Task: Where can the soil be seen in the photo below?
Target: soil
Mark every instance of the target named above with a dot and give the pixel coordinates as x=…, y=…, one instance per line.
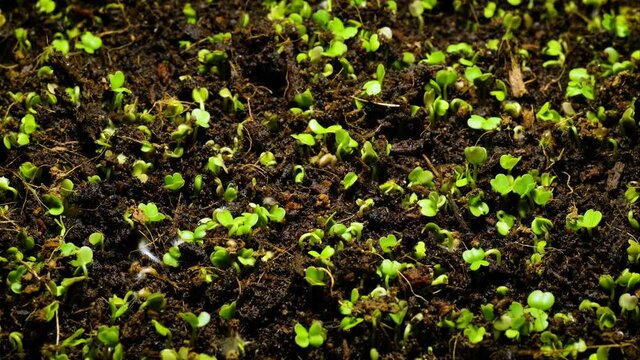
x=142, y=39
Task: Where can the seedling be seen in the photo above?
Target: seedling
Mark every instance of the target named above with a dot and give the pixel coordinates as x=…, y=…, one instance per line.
x=387, y=243
x=554, y=49
x=268, y=159
x=589, y=221
x=161, y=329
x=477, y=207
x=480, y=123
x=173, y=182
x=196, y=322
x=429, y=207
x=476, y=257
x=316, y=276
x=84, y=258
x=314, y=336
x=89, y=43
x=540, y=300
x=476, y=156
x=349, y=180
x=5, y=185
x=304, y=99
x=581, y=83
x=150, y=213
x=116, y=82
x=633, y=251
x=228, y=311
x=324, y=256
x=374, y=87
x=420, y=177
x=97, y=239
x=172, y=257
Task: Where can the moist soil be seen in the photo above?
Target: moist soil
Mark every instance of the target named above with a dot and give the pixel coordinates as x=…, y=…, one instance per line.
x=143, y=40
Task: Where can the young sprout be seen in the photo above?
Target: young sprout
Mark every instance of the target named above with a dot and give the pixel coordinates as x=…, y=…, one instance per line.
x=227, y=311
x=429, y=207
x=374, y=87
x=633, y=251
x=324, y=256
x=161, y=329
x=304, y=99
x=196, y=322
x=480, y=123
x=589, y=221
x=268, y=159
x=97, y=239
x=581, y=83
x=476, y=257
x=84, y=257
x=387, y=243
x=5, y=185
x=477, y=207
x=314, y=336
x=349, y=180
x=420, y=177
x=89, y=43
x=151, y=213
x=540, y=300
x=173, y=182
x=315, y=276
x=476, y=156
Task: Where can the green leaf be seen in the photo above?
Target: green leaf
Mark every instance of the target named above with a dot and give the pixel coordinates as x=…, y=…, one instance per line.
x=540, y=300
x=227, y=311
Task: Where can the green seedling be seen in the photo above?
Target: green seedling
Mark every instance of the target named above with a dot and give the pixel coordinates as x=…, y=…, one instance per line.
x=173, y=182
x=196, y=322
x=84, y=258
x=268, y=159
x=172, y=257
x=374, y=87
x=589, y=221
x=151, y=213
x=420, y=177
x=97, y=239
x=89, y=43
x=540, y=300
x=476, y=156
x=581, y=83
x=316, y=276
x=231, y=102
x=324, y=256
x=23, y=42
x=554, y=49
x=480, y=123
x=116, y=82
x=372, y=44
x=305, y=139
x=390, y=270
x=547, y=114
x=161, y=329
x=349, y=180
x=633, y=251
x=387, y=243
x=314, y=336
x=46, y=6
x=28, y=171
x=304, y=99
x=477, y=207
x=616, y=24
x=429, y=207
x=155, y=302
x=505, y=222
x=502, y=184
x=119, y=306
x=6, y=186
x=476, y=257
x=228, y=311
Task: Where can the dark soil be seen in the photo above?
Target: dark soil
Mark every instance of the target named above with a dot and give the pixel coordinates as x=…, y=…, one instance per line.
x=142, y=39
